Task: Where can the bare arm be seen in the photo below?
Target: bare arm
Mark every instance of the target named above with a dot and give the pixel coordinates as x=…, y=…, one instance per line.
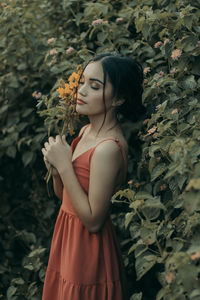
x=57, y=186
x=92, y=209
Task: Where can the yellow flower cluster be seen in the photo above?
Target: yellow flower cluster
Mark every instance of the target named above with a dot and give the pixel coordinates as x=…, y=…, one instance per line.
x=65, y=110
x=68, y=91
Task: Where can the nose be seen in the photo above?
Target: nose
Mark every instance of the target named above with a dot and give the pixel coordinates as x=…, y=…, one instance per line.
x=82, y=90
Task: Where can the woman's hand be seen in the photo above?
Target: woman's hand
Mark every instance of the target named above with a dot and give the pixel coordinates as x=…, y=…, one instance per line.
x=58, y=153
x=54, y=171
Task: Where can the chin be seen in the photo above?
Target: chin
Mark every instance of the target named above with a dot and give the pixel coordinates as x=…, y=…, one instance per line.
x=80, y=111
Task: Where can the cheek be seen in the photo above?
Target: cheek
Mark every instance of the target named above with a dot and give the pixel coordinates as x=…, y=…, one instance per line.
x=96, y=98
x=99, y=102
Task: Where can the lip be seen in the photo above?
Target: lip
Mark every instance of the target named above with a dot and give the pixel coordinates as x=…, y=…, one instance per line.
x=80, y=101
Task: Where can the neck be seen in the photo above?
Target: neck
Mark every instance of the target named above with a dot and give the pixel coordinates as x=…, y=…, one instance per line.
x=97, y=121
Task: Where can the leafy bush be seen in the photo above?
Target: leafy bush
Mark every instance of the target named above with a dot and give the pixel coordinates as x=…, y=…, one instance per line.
x=42, y=42
x=164, y=200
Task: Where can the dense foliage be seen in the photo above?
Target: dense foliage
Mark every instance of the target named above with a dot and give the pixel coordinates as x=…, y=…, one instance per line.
x=43, y=41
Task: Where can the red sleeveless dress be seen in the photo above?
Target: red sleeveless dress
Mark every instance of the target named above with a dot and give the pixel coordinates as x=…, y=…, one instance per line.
x=84, y=265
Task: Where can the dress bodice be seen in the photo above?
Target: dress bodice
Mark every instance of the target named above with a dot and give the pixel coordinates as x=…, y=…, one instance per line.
x=81, y=167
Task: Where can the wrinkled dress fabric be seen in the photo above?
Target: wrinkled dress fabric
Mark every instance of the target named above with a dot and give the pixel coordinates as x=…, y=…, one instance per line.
x=84, y=265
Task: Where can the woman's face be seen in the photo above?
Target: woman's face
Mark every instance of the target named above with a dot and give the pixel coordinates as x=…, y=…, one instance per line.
x=91, y=91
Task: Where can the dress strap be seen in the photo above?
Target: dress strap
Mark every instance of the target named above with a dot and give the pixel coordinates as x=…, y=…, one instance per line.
x=84, y=128
x=122, y=151
x=76, y=139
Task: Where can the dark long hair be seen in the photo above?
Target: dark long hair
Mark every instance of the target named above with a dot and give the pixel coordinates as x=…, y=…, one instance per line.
x=126, y=77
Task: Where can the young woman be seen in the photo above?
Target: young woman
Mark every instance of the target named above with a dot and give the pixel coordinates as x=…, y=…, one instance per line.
x=85, y=262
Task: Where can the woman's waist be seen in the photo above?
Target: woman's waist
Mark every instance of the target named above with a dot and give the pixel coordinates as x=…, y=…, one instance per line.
x=66, y=207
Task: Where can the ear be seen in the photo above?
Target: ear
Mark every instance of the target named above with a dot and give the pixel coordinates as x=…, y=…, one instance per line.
x=118, y=102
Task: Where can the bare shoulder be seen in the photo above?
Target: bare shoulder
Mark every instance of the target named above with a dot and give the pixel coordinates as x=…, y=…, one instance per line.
x=109, y=152
x=83, y=128
x=107, y=148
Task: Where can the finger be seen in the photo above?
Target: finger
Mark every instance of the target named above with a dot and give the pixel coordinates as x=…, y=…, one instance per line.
x=51, y=140
x=58, y=138
x=46, y=164
x=46, y=145
x=44, y=151
x=46, y=160
x=64, y=139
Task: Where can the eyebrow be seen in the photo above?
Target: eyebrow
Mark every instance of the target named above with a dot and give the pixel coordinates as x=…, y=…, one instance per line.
x=95, y=79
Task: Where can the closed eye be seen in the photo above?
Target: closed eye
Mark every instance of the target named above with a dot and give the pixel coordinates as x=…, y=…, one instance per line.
x=95, y=88
x=92, y=86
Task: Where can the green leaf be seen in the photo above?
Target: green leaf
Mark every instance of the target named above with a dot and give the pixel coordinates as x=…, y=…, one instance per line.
x=27, y=157
x=193, y=184
x=29, y=267
x=136, y=204
x=21, y=126
x=60, y=68
x=153, y=149
x=3, y=109
x=146, y=30
x=7, y=142
x=150, y=213
x=32, y=290
x=135, y=245
x=188, y=20
x=164, y=293
x=37, y=252
x=181, y=179
x=22, y=66
x=128, y=218
x=79, y=17
x=192, y=201
x=139, y=23
x=140, y=249
x=14, y=83
x=195, y=246
x=134, y=230
x=189, y=43
x=154, y=203
x=176, y=245
x=102, y=36
x=39, y=137
x=148, y=51
x=11, y=292
x=142, y=195
x=137, y=296
x=144, y=263
x=27, y=112
x=187, y=274
x=196, y=66
x=148, y=235
x=158, y=170
x=27, y=237
x=127, y=193
x=195, y=295
x=11, y=151
x=168, y=49
x=18, y=281
x=152, y=163
x=189, y=82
